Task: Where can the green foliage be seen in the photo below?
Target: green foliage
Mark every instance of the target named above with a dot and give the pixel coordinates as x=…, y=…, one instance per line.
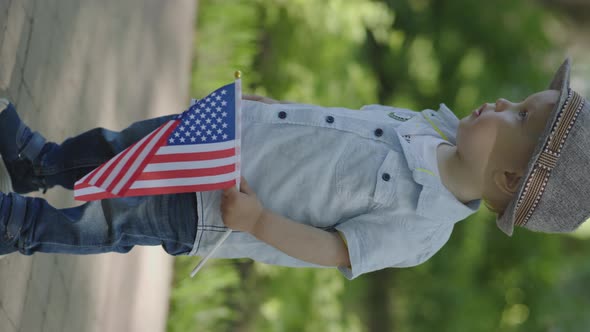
x=408, y=53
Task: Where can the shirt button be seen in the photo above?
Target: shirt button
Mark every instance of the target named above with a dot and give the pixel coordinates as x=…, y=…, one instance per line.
x=378, y=132
x=282, y=114
x=329, y=119
x=386, y=176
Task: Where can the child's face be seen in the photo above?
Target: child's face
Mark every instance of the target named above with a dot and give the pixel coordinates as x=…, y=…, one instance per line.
x=504, y=134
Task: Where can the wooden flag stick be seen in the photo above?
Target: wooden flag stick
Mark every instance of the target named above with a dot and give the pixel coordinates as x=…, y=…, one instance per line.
x=238, y=97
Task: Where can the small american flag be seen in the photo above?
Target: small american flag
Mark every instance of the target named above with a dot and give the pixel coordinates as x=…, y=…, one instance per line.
x=197, y=151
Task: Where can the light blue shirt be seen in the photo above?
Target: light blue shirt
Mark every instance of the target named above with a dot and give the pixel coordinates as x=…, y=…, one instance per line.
x=371, y=174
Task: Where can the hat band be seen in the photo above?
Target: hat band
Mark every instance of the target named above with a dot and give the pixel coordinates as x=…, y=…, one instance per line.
x=536, y=182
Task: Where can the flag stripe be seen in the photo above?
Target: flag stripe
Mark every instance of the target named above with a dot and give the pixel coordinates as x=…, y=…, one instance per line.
x=116, y=169
x=187, y=173
x=174, y=149
x=144, y=157
x=183, y=181
x=164, y=158
x=189, y=164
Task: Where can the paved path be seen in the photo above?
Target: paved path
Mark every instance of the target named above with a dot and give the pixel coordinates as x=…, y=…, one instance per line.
x=70, y=65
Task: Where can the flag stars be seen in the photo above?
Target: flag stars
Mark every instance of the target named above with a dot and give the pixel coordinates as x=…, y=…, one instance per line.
x=188, y=133
x=208, y=109
x=203, y=138
x=213, y=104
x=223, y=92
x=208, y=121
x=219, y=120
x=171, y=140
x=218, y=98
x=218, y=109
x=224, y=136
x=224, y=114
x=193, y=128
x=214, y=126
x=176, y=134
x=182, y=140
x=224, y=125
x=219, y=131
x=208, y=132
x=223, y=103
x=187, y=122
x=193, y=139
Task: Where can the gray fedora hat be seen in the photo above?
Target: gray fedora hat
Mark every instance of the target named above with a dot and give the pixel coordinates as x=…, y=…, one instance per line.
x=554, y=193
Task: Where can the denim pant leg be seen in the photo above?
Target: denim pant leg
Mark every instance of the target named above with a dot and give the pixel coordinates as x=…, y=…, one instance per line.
x=31, y=225
x=63, y=164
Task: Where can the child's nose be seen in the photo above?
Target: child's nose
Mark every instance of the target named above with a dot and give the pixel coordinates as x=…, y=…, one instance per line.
x=502, y=104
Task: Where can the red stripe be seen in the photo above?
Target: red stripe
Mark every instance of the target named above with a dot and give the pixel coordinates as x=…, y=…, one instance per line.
x=148, y=157
x=180, y=189
x=195, y=156
x=82, y=185
x=128, y=162
x=100, y=181
x=186, y=173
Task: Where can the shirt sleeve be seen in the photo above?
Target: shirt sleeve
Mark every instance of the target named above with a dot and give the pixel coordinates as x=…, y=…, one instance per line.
x=376, y=241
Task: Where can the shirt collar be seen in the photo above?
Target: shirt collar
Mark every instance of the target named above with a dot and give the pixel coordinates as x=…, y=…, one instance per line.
x=419, y=138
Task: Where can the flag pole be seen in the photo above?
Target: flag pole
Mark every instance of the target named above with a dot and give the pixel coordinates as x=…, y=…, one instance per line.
x=238, y=101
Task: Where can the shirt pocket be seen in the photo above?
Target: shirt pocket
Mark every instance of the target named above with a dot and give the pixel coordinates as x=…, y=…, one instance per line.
x=387, y=178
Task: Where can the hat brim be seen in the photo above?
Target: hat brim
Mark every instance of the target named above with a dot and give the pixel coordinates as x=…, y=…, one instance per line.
x=560, y=82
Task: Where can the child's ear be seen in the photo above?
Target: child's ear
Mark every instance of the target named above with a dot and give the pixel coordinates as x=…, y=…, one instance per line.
x=507, y=181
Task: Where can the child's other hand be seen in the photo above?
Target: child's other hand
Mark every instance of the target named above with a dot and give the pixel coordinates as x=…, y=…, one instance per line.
x=241, y=210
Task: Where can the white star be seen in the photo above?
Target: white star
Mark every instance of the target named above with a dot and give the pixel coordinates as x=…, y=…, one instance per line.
x=208, y=99
x=214, y=126
x=214, y=137
x=218, y=98
x=213, y=115
x=203, y=127
x=218, y=109
x=198, y=133
x=182, y=128
x=209, y=132
x=224, y=136
x=223, y=92
x=219, y=120
x=187, y=122
x=182, y=140
x=188, y=133
x=208, y=120
x=203, y=115
x=193, y=139
x=213, y=104
x=171, y=140
x=219, y=131
x=208, y=109
x=193, y=127
x=198, y=121
x=192, y=116
x=214, y=93
x=224, y=125
x=223, y=103
x=203, y=138
x=224, y=114
x=176, y=134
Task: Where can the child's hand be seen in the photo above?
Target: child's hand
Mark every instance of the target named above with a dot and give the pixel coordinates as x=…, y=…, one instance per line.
x=241, y=210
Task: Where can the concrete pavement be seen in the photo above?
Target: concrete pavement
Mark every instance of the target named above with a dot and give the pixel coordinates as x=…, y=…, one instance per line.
x=70, y=65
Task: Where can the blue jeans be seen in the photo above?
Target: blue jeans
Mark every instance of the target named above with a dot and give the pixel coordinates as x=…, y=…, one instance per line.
x=30, y=224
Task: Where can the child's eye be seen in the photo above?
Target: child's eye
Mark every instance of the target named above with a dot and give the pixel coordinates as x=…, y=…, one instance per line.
x=523, y=114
